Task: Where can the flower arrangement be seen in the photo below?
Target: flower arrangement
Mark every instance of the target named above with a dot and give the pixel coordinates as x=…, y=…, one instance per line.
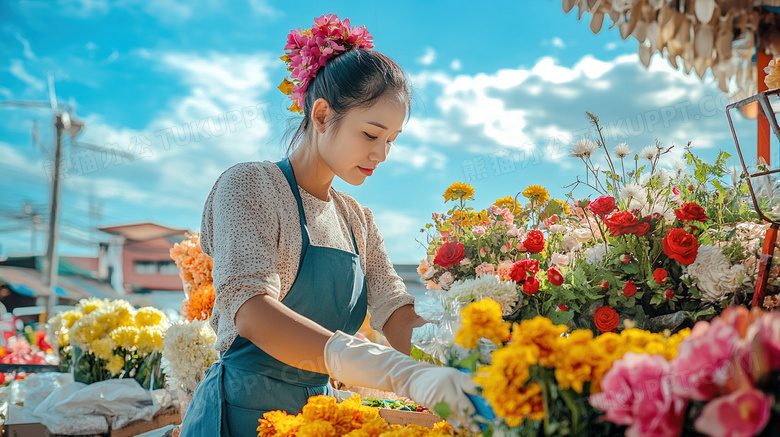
x=657, y=248
x=195, y=272
x=309, y=50
x=535, y=378
x=323, y=416
x=188, y=351
x=731, y=364
x=103, y=339
x=20, y=350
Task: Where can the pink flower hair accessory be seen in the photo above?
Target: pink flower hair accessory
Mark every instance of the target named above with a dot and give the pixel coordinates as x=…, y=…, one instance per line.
x=309, y=50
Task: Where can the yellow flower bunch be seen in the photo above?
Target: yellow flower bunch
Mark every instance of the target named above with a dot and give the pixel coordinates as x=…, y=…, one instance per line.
x=459, y=190
x=505, y=384
x=482, y=319
x=541, y=333
x=536, y=194
x=323, y=416
x=508, y=202
x=149, y=316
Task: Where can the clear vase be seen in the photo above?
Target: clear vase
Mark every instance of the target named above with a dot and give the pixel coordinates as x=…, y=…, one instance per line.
x=185, y=398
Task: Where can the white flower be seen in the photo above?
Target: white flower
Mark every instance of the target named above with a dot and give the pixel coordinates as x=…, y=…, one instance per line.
x=463, y=292
x=188, y=351
x=714, y=273
x=622, y=150
x=679, y=166
x=649, y=153
x=635, y=194
x=429, y=273
x=445, y=280
x=560, y=259
x=555, y=229
x=583, y=148
x=596, y=254
x=582, y=235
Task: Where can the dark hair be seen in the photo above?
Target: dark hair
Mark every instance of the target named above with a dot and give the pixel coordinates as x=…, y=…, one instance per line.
x=353, y=79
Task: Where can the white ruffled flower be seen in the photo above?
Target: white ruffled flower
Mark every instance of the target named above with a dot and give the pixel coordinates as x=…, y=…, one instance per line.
x=649, y=153
x=582, y=235
x=583, y=148
x=188, y=351
x=556, y=229
x=596, y=254
x=622, y=150
x=463, y=292
x=635, y=194
x=679, y=166
x=560, y=259
x=714, y=273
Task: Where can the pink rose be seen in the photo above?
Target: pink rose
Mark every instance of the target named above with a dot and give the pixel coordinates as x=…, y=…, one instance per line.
x=742, y=413
x=445, y=280
x=478, y=230
x=636, y=392
x=703, y=363
x=505, y=269
x=485, y=269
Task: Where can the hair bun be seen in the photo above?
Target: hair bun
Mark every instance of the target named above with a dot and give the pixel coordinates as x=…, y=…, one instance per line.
x=309, y=50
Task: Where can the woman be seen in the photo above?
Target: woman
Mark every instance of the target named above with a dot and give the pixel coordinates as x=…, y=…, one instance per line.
x=297, y=264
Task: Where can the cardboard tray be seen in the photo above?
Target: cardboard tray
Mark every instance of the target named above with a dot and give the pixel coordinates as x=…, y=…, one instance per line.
x=163, y=418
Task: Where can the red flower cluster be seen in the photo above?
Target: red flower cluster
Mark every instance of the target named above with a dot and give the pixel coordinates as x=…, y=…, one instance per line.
x=449, y=254
x=534, y=242
x=524, y=273
x=625, y=222
x=602, y=205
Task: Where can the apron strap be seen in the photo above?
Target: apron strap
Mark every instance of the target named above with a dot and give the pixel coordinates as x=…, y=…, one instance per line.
x=287, y=169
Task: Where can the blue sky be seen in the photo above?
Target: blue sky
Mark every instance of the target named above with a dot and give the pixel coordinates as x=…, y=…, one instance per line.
x=499, y=94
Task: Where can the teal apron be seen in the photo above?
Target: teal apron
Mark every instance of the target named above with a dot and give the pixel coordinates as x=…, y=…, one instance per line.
x=330, y=289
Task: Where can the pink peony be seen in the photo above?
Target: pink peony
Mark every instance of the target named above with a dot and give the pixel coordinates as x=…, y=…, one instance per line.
x=636, y=392
x=760, y=353
x=505, y=269
x=742, y=413
x=485, y=269
x=703, y=364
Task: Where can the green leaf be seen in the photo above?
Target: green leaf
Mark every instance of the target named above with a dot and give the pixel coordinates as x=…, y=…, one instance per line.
x=442, y=409
x=630, y=268
x=561, y=317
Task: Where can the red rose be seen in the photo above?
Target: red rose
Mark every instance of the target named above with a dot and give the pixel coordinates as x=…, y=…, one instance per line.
x=604, y=285
x=681, y=246
x=451, y=253
x=554, y=276
x=669, y=294
x=660, y=275
x=625, y=258
x=531, y=285
x=691, y=212
x=606, y=319
x=534, y=242
x=629, y=289
x=625, y=222
x=521, y=269
x=562, y=307
x=602, y=205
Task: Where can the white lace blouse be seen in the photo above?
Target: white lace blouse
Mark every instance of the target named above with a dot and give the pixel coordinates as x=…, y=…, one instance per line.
x=251, y=227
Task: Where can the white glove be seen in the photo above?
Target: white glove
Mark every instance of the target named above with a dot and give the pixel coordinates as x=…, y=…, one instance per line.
x=357, y=362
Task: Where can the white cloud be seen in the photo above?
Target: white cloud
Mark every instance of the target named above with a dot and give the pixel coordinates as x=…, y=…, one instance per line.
x=610, y=46
x=398, y=230
x=83, y=8
x=18, y=71
x=428, y=57
x=262, y=7
x=27, y=51
x=456, y=64
x=557, y=42
x=408, y=158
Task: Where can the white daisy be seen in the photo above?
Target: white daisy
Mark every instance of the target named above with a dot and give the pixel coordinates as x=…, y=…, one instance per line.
x=649, y=152
x=583, y=148
x=622, y=150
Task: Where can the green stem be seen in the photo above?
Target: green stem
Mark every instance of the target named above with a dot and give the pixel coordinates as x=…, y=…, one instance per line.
x=546, y=401
x=575, y=412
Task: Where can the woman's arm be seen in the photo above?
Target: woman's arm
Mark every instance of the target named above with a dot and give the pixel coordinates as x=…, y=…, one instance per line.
x=398, y=328
x=282, y=333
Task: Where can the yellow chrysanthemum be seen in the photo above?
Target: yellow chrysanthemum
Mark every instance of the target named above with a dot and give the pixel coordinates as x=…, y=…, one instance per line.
x=123, y=313
x=504, y=384
x=115, y=365
x=541, y=333
x=482, y=319
x=672, y=344
x=564, y=205
x=70, y=317
x=149, y=316
x=317, y=428
x=278, y=423
x=459, y=190
x=150, y=339
x=86, y=306
x=536, y=193
x=126, y=336
x=508, y=202
x=575, y=359
x=103, y=348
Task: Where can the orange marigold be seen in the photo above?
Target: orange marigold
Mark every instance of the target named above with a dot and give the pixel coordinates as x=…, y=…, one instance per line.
x=200, y=303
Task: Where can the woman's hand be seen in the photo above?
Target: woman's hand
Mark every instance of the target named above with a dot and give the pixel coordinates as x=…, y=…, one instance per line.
x=398, y=328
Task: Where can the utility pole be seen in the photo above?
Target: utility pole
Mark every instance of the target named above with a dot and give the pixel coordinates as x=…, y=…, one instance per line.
x=52, y=260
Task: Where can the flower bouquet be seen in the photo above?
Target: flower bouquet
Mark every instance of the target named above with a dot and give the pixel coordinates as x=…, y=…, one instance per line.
x=195, y=272
x=103, y=339
x=188, y=352
x=658, y=248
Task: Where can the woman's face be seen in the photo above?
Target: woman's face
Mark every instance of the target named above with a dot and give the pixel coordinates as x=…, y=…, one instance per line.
x=362, y=140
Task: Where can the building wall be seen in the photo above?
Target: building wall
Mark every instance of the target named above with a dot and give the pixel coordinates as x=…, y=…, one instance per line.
x=138, y=255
